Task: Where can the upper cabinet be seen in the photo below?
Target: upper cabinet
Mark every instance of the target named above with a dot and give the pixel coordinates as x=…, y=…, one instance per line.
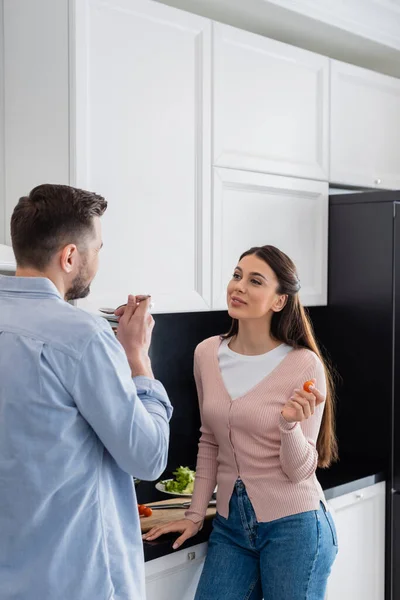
x=365, y=126
x=7, y=259
x=115, y=97
x=142, y=139
x=253, y=209
x=140, y=102
x=2, y=147
x=36, y=97
x=271, y=106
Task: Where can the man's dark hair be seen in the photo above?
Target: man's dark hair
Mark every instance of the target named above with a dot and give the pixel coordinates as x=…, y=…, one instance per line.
x=51, y=217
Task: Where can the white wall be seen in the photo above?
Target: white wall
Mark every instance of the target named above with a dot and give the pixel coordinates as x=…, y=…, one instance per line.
x=2, y=170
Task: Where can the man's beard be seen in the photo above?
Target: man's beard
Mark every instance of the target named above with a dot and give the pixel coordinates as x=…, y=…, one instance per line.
x=80, y=288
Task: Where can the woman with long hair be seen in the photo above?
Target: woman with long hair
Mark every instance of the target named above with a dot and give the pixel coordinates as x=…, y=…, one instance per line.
x=262, y=437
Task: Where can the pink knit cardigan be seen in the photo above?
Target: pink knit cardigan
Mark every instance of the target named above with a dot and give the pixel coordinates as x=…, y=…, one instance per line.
x=249, y=438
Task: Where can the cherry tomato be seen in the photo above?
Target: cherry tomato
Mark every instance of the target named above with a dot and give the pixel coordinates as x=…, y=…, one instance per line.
x=141, y=508
x=306, y=386
x=147, y=512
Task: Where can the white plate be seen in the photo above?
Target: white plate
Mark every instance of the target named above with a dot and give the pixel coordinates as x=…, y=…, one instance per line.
x=161, y=488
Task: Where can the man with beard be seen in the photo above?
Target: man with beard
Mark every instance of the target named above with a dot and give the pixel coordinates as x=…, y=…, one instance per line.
x=80, y=413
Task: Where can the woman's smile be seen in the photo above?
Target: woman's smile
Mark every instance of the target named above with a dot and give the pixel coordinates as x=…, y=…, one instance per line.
x=237, y=301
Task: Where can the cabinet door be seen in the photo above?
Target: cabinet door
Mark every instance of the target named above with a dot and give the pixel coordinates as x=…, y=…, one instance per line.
x=141, y=129
x=175, y=575
x=2, y=148
x=7, y=259
x=270, y=105
x=359, y=569
x=365, y=125
x=36, y=110
x=251, y=209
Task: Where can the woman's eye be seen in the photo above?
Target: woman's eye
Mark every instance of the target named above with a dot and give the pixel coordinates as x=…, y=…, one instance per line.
x=256, y=281
x=236, y=276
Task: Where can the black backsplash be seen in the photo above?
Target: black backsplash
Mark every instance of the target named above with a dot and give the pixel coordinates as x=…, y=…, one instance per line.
x=175, y=338
x=174, y=341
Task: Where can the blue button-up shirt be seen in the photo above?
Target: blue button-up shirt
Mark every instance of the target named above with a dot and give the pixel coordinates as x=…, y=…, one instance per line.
x=74, y=429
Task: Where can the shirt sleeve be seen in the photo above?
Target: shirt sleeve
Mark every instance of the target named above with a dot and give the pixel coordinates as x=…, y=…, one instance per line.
x=298, y=452
x=131, y=417
x=206, y=468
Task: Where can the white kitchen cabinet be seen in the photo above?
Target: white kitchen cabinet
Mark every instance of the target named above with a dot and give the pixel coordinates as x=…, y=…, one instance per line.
x=7, y=260
x=357, y=574
x=359, y=569
x=36, y=130
x=175, y=575
x=365, y=125
x=2, y=178
x=271, y=104
x=115, y=97
x=142, y=138
x=252, y=209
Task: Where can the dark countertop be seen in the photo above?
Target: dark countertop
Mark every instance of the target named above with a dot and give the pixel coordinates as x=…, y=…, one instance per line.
x=340, y=479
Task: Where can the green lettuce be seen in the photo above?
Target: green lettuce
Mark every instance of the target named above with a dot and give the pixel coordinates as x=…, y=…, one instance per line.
x=183, y=482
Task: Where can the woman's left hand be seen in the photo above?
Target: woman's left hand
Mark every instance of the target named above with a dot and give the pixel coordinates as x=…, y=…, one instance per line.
x=302, y=405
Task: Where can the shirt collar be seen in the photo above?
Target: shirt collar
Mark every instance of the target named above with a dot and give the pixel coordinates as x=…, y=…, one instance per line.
x=33, y=287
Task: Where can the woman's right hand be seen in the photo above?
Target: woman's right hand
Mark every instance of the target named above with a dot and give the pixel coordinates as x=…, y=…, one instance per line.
x=184, y=526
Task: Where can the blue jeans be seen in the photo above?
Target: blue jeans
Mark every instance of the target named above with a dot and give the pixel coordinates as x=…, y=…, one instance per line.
x=286, y=559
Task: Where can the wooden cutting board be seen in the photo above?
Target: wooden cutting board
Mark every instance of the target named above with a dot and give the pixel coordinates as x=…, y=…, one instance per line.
x=164, y=516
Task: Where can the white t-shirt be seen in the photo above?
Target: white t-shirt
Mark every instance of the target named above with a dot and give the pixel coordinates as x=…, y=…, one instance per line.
x=240, y=373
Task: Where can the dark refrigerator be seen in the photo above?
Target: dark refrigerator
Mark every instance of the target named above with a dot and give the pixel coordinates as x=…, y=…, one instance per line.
x=362, y=336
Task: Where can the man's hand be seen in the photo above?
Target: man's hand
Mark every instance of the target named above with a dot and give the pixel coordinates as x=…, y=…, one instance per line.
x=134, y=333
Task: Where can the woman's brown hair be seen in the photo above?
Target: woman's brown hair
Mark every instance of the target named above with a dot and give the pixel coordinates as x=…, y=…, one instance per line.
x=292, y=326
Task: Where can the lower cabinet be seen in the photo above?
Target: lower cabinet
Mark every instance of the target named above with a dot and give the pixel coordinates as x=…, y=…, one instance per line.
x=359, y=570
x=175, y=576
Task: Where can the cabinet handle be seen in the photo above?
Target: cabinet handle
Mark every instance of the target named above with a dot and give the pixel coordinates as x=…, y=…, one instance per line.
x=359, y=496
x=191, y=555
x=378, y=181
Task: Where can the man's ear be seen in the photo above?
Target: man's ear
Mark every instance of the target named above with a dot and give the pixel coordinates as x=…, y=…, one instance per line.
x=68, y=258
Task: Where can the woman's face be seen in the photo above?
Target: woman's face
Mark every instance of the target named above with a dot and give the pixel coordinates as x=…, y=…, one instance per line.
x=252, y=291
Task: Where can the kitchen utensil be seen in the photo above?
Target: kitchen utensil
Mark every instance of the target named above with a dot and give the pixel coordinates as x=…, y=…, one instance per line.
x=177, y=505
x=110, y=311
x=162, y=517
